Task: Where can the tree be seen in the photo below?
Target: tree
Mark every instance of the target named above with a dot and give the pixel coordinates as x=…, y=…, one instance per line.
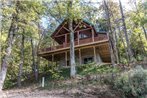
x=72, y=50
x=21, y=61
x=135, y=20
x=113, y=9
x=139, y=17
x=9, y=41
x=34, y=65
x=125, y=32
x=26, y=14
x=109, y=33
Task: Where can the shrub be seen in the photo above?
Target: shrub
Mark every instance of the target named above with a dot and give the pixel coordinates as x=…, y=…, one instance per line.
x=93, y=68
x=133, y=83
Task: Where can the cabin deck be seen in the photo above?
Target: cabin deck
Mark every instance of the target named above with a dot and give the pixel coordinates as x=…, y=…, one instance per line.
x=78, y=43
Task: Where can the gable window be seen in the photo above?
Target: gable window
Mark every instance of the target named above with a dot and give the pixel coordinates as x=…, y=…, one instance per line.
x=81, y=36
x=88, y=60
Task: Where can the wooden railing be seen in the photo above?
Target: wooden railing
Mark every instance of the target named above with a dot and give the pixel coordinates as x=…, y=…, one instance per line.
x=81, y=41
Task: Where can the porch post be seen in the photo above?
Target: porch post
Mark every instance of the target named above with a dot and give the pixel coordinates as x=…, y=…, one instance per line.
x=66, y=58
x=94, y=50
x=92, y=35
x=52, y=57
x=65, y=40
x=78, y=37
x=80, y=59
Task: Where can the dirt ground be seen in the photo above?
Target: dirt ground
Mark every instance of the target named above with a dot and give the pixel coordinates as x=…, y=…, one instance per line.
x=32, y=93
x=81, y=92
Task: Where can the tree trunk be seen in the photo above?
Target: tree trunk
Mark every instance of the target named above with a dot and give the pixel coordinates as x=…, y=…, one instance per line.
x=125, y=32
x=121, y=38
x=109, y=34
x=34, y=65
x=115, y=47
x=145, y=33
x=72, y=50
x=9, y=41
x=5, y=58
x=21, y=62
x=142, y=45
x=41, y=36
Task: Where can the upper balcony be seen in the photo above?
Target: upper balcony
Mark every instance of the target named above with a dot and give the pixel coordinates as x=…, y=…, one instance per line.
x=78, y=43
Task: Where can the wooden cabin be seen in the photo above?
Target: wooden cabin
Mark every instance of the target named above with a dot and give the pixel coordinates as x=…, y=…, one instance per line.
x=90, y=45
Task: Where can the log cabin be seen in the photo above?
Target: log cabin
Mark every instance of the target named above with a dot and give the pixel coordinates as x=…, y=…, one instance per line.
x=90, y=45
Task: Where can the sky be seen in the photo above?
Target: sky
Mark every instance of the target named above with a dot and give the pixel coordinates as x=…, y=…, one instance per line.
x=124, y=3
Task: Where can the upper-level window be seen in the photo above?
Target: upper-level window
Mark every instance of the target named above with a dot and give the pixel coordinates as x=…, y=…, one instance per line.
x=82, y=36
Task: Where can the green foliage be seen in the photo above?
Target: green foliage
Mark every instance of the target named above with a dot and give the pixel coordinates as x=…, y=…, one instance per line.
x=8, y=84
x=93, y=68
x=53, y=72
x=139, y=46
x=28, y=18
x=133, y=83
x=11, y=78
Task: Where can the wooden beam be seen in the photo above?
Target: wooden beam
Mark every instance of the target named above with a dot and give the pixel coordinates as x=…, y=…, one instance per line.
x=52, y=57
x=74, y=32
x=92, y=31
x=80, y=58
x=94, y=50
x=83, y=30
x=66, y=58
x=58, y=52
x=77, y=26
x=66, y=29
x=66, y=38
x=100, y=43
x=78, y=37
x=87, y=24
x=60, y=29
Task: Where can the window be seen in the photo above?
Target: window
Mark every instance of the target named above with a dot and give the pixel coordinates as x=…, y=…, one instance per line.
x=68, y=63
x=82, y=36
x=88, y=60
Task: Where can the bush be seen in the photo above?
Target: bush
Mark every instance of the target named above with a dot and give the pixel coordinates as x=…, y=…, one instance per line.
x=93, y=68
x=133, y=83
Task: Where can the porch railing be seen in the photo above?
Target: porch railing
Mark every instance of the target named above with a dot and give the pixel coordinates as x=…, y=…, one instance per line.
x=80, y=42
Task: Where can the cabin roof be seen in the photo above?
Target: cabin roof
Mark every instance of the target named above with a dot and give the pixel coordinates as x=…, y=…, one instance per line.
x=57, y=28
x=84, y=20
x=88, y=22
x=63, y=29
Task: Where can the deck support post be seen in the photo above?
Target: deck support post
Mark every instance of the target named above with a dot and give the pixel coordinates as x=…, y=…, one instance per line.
x=92, y=35
x=94, y=50
x=66, y=58
x=52, y=57
x=80, y=59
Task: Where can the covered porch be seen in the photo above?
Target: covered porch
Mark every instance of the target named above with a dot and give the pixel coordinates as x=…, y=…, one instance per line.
x=98, y=53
